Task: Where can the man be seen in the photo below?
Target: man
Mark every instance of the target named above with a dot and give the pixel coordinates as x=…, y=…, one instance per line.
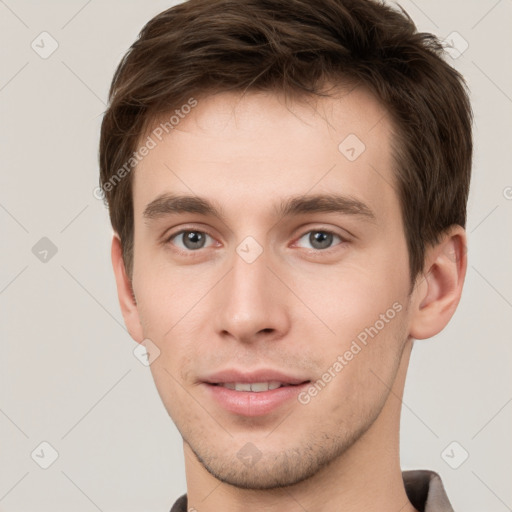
x=287, y=182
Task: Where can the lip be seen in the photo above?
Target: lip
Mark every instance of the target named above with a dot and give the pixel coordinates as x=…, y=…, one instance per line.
x=250, y=403
x=264, y=375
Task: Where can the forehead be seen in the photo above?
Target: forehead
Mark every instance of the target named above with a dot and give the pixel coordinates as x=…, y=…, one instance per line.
x=245, y=152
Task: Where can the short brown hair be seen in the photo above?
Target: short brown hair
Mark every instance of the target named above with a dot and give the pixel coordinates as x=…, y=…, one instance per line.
x=296, y=46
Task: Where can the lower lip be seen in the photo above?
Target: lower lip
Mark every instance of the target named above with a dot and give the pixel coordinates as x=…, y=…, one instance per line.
x=250, y=403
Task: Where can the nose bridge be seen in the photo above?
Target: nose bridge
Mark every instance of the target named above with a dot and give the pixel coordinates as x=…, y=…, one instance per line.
x=250, y=275
x=250, y=300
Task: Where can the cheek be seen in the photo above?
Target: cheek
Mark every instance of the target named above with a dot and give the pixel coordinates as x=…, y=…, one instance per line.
x=166, y=295
x=364, y=365
x=167, y=375
x=365, y=314
x=348, y=300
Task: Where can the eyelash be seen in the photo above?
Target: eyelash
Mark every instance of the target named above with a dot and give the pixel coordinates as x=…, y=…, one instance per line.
x=191, y=253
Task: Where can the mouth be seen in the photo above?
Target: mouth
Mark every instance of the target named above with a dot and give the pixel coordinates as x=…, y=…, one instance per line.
x=256, y=387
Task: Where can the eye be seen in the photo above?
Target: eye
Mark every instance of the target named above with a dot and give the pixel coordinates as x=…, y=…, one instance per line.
x=191, y=240
x=320, y=239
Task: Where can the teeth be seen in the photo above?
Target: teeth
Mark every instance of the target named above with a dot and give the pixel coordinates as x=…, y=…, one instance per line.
x=254, y=386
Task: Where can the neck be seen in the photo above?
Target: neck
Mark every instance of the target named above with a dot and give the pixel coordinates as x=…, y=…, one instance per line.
x=365, y=477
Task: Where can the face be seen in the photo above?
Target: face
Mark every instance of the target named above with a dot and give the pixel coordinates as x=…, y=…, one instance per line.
x=289, y=259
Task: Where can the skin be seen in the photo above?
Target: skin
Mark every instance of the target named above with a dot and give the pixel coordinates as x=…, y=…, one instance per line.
x=296, y=308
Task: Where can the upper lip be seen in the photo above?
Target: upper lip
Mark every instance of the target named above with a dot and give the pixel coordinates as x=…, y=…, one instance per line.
x=263, y=375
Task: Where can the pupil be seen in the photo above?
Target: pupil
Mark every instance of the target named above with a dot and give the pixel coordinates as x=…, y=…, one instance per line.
x=320, y=240
x=194, y=240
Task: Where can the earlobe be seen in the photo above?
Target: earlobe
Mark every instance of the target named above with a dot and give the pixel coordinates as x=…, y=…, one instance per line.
x=125, y=293
x=439, y=288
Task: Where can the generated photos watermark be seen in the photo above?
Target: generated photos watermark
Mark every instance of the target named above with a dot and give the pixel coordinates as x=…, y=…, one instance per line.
x=150, y=143
x=344, y=359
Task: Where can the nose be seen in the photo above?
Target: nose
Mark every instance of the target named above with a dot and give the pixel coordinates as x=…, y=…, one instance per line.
x=252, y=301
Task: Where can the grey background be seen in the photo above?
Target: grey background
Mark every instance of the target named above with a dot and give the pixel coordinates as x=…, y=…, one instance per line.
x=68, y=374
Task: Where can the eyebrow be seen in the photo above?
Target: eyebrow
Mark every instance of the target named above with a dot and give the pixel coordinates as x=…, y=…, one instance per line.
x=168, y=204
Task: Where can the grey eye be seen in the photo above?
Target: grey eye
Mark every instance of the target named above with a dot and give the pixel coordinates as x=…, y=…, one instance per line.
x=320, y=239
x=191, y=240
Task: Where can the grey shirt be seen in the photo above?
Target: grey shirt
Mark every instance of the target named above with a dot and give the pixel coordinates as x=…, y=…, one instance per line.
x=424, y=490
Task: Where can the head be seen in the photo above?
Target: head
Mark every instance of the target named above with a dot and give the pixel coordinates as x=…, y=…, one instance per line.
x=263, y=113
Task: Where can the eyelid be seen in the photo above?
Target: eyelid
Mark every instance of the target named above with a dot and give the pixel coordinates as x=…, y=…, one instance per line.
x=344, y=239
x=166, y=241
x=168, y=238
x=168, y=234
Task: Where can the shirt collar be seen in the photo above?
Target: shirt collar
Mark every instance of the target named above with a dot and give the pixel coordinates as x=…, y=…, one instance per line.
x=425, y=491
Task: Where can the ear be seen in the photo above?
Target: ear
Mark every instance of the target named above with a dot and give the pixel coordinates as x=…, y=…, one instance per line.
x=439, y=287
x=125, y=292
